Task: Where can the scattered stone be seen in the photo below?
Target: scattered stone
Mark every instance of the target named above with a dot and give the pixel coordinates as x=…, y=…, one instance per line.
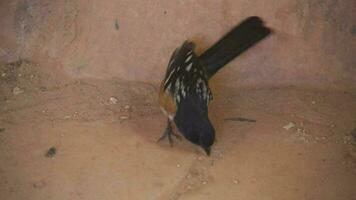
x=39, y=184
x=347, y=139
x=236, y=181
x=289, y=126
x=124, y=117
x=113, y=100
x=51, y=152
x=117, y=24
x=17, y=91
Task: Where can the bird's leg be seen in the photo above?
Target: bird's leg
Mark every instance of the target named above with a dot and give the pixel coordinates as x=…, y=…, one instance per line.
x=168, y=132
x=176, y=135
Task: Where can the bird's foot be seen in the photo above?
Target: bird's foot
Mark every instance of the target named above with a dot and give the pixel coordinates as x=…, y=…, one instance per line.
x=168, y=133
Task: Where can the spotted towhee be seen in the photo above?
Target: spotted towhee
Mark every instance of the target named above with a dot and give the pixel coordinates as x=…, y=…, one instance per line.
x=185, y=94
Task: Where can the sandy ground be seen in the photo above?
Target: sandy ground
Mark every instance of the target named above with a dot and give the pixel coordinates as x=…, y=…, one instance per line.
x=107, y=149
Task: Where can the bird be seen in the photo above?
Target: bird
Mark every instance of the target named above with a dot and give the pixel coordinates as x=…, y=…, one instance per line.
x=185, y=95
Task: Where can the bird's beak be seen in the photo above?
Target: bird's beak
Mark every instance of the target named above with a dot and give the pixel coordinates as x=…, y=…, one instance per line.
x=207, y=150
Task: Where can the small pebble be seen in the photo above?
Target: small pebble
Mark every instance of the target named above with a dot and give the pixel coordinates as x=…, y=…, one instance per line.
x=51, y=152
x=117, y=24
x=204, y=182
x=40, y=184
x=289, y=126
x=313, y=102
x=17, y=91
x=124, y=117
x=3, y=74
x=178, y=165
x=200, y=158
x=127, y=107
x=235, y=181
x=113, y=100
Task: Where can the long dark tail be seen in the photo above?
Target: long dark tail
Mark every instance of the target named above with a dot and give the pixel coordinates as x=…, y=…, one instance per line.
x=238, y=40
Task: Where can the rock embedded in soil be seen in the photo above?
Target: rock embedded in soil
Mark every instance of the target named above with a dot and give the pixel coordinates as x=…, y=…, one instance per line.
x=17, y=90
x=51, y=152
x=113, y=100
x=289, y=126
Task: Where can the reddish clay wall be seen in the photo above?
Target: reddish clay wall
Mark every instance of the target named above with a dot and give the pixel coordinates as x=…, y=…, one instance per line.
x=314, y=41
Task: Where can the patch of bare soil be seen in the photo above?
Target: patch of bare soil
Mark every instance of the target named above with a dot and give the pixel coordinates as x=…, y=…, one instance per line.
x=95, y=139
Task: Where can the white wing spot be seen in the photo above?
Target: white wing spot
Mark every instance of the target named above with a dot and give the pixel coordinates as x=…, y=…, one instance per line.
x=177, y=84
x=178, y=98
x=189, y=67
x=173, y=70
x=189, y=57
x=169, y=87
x=184, y=93
x=171, y=62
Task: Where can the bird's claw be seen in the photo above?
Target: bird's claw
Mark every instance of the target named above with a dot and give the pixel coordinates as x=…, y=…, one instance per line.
x=168, y=133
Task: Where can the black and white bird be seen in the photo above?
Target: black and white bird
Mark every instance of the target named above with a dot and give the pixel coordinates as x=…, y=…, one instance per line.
x=185, y=93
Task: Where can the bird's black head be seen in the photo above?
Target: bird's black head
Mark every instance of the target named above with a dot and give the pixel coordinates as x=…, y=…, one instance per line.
x=193, y=122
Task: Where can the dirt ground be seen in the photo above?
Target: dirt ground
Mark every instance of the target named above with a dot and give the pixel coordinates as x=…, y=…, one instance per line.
x=302, y=145
x=79, y=117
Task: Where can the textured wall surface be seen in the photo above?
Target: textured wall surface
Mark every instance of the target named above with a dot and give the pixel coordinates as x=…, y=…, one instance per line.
x=313, y=44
